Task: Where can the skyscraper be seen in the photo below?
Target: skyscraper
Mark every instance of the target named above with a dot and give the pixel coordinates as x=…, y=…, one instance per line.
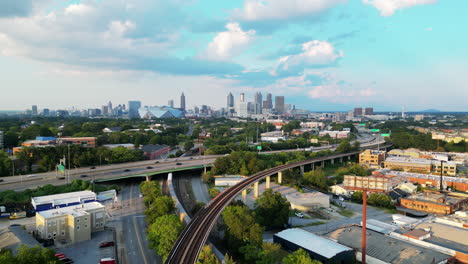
x=170, y=103
x=182, y=102
x=242, y=97
x=133, y=107
x=279, y=104
x=34, y=110
x=269, y=101
x=109, y=107
x=358, y=111
x=230, y=100
x=258, y=103
x=369, y=111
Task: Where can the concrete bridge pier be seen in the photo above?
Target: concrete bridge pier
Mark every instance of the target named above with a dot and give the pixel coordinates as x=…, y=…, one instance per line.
x=256, y=189
x=302, y=170
x=268, y=182
x=312, y=166
x=244, y=196
x=341, y=160
x=349, y=157
x=332, y=161
x=148, y=178
x=323, y=164
x=280, y=177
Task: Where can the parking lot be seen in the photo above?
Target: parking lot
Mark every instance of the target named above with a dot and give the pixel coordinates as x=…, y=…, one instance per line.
x=88, y=252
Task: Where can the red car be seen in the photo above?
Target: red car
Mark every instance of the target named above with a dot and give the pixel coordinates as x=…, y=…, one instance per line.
x=106, y=244
x=60, y=255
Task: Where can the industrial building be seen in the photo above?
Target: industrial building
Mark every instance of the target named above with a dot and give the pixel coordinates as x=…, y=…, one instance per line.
x=434, y=202
x=43, y=203
x=273, y=136
x=372, y=158
x=319, y=248
x=72, y=224
x=420, y=165
x=308, y=201
x=335, y=134
x=386, y=249
x=152, y=152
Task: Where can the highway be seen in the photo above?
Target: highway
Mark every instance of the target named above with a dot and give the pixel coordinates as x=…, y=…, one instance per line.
x=195, y=235
x=100, y=173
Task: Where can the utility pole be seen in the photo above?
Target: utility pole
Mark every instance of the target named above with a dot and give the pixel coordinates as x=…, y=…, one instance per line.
x=69, y=164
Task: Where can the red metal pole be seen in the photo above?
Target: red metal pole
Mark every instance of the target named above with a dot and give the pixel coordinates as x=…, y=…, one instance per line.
x=364, y=220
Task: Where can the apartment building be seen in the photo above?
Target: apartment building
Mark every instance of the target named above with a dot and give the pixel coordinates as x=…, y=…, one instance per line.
x=71, y=224
x=372, y=158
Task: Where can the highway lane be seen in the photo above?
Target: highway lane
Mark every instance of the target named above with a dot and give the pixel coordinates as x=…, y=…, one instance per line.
x=99, y=174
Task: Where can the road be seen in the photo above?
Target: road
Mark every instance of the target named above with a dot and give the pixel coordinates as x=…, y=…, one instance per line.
x=19, y=183
x=133, y=246
x=195, y=235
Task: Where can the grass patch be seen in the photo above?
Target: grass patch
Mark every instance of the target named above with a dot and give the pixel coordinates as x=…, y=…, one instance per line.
x=346, y=213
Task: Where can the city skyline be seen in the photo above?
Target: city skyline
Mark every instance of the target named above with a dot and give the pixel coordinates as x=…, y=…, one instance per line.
x=322, y=55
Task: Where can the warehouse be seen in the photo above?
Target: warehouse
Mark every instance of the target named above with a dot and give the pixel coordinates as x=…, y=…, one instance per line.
x=319, y=248
x=43, y=203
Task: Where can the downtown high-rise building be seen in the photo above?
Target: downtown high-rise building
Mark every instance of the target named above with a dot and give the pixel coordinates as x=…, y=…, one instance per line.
x=258, y=103
x=358, y=111
x=369, y=111
x=133, y=107
x=170, y=103
x=182, y=102
x=269, y=102
x=279, y=104
x=230, y=101
x=34, y=110
x=109, y=107
x=242, y=107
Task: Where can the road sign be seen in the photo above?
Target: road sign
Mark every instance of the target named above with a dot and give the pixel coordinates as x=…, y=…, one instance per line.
x=384, y=135
x=259, y=147
x=61, y=168
x=363, y=125
x=375, y=130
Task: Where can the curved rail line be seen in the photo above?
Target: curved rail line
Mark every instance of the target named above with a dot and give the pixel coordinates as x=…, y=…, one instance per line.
x=195, y=235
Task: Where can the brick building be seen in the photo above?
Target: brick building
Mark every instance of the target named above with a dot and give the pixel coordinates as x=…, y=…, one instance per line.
x=372, y=158
x=434, y=202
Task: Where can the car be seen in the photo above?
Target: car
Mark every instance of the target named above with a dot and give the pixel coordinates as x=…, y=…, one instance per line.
x=178, y=163
x=127, y=170
x=156, y=162
x=149, y=167
x=140, y=195
x=83, y=176
x=300, y=215
x=1, y=180
x=60, y=255
x=191, y=157
x=61, y=178
x=106, y=244
x=93, y=168
x=66, y=260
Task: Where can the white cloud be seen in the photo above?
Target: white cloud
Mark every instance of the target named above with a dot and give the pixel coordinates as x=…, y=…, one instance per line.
x=256, y=10
x=388, y=7
x=229, y=43
x=315, y=53
x=78, y=9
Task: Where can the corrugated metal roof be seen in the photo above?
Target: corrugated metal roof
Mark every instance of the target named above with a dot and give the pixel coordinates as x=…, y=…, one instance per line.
x=62, y=196
x=320, y=245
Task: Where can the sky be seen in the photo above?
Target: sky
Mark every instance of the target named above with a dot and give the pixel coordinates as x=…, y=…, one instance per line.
x=322, y=55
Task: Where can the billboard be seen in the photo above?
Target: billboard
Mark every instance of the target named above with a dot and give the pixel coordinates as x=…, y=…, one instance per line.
x=366, y=183
x=441, y=137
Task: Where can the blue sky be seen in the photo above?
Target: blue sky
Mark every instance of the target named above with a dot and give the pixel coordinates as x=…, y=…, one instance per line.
x=323, y=55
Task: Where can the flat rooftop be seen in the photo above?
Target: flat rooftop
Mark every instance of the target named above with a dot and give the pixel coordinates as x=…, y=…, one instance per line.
x=76, y=210
x=62, y=196
x=436, y=198
x=386, y=248
x=320, y=245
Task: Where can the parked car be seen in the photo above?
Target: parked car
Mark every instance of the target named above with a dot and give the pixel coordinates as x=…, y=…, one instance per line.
x=106, y=244
x=60, y=255
x=300, y=215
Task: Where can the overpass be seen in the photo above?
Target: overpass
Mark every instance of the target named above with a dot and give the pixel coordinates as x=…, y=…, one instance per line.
x=195, y=235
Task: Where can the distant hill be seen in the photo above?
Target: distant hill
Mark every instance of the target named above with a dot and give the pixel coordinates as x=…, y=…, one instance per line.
x=431, y=111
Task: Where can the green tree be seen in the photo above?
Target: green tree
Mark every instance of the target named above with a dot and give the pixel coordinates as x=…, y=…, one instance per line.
x=228, y=259
x=299, y=257
x=150, y=190
x=316, y=178
x=188, y=145
x=272, y=209
x=271, y=254
x=207, y=256
x=36, y=254
x=213, y=192
x=5, y=164
x=241, y=227
x=344, y=147
x=162, y=205
x=356, y=197
x=163, y=233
